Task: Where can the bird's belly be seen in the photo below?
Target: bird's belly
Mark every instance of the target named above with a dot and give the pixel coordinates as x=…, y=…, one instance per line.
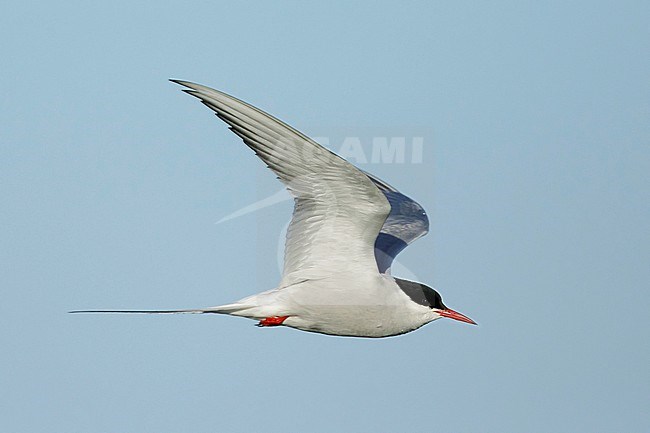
x=353, y=321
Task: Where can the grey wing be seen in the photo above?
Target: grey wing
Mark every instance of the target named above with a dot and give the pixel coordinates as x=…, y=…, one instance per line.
x=406, y=222
x=338, y=210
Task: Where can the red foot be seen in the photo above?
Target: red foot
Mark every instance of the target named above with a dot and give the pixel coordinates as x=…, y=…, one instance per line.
x=272, y=321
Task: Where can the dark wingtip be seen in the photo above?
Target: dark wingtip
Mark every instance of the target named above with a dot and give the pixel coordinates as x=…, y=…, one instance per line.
x=180, y=82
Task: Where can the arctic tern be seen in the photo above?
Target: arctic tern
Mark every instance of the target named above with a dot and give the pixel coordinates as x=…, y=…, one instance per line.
x=347, y=227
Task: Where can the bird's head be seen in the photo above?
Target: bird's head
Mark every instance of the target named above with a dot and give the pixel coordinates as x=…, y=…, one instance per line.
x=428, y=297
x=439, y=308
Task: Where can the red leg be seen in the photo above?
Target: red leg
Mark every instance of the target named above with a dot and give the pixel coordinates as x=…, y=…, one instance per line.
x=272, y=321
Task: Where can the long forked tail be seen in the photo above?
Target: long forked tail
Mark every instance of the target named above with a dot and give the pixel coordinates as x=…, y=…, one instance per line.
x=221, y=309
x=146, y=311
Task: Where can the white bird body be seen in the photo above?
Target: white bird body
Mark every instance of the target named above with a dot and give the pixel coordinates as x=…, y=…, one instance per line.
x=346, y=229
x=341, y=304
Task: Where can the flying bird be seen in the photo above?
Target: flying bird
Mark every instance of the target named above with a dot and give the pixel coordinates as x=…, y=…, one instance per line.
x=347, y=228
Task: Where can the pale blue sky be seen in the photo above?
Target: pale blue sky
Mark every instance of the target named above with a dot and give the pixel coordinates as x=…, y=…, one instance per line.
x=534, y=172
